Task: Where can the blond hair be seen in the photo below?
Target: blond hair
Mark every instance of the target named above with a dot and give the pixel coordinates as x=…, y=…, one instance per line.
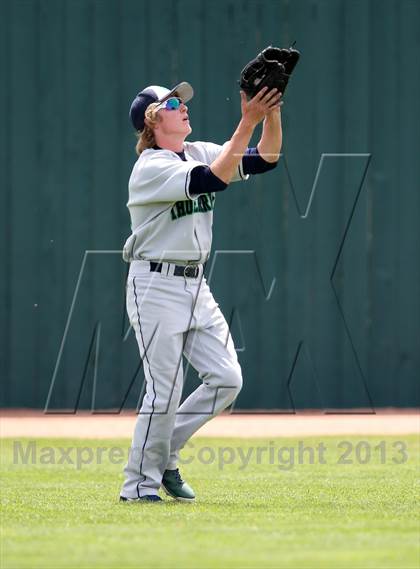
x=146, y=137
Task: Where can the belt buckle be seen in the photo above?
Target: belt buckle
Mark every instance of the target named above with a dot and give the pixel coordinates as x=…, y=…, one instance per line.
x=191, y=271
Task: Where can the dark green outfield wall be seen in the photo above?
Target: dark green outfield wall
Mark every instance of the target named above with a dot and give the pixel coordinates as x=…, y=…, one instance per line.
x=323, y=293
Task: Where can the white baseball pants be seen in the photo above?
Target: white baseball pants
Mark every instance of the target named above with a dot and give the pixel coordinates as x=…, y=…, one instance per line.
x=174, y=316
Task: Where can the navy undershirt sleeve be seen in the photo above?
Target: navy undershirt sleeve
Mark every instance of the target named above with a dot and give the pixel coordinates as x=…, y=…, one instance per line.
x=203, y=181
x=253, y=163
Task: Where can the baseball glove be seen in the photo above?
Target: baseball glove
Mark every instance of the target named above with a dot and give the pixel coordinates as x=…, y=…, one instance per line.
x=271, y=68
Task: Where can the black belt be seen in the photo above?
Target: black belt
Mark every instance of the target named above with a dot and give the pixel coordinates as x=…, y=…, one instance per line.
x=190, y=271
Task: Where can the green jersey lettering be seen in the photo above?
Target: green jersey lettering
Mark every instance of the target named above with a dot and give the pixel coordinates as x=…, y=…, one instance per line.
x=204, y=203
x=180, y=208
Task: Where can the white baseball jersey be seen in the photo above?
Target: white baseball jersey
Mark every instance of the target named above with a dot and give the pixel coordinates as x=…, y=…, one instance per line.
x=167, y=223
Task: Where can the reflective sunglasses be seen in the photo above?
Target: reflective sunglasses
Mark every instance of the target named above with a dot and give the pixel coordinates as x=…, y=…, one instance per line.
x=171, y=104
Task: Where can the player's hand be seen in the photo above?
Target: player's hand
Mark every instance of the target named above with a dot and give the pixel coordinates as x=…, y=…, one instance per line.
x=275, y=111
x=264, y=102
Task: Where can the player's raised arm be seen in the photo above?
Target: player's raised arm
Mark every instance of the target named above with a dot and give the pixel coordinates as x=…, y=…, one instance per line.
x=270, y=142
x=253, y=112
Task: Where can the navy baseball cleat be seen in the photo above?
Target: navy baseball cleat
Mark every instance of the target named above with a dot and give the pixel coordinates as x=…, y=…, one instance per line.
x=147, y=498
x=175, y=487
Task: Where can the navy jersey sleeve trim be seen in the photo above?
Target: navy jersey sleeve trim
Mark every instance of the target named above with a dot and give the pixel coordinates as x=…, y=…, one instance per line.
x=253, y=163
x=203, y=181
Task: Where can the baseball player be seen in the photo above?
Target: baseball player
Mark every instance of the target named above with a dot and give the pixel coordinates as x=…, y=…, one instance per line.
x=172, y=192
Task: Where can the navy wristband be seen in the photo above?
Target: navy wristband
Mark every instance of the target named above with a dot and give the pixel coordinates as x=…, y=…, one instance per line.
x=253, y=163
x=203, y=181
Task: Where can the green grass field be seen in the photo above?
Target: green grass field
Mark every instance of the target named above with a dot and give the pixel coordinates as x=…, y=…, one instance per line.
x=275, y=512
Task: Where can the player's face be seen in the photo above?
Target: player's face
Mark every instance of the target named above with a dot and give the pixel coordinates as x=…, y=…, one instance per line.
x=174, y=120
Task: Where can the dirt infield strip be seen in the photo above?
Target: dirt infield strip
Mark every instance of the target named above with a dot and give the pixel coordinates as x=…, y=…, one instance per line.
x=35, y=424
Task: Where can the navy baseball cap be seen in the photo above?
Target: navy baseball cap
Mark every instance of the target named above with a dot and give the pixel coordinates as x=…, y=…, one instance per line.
x=156, y=94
